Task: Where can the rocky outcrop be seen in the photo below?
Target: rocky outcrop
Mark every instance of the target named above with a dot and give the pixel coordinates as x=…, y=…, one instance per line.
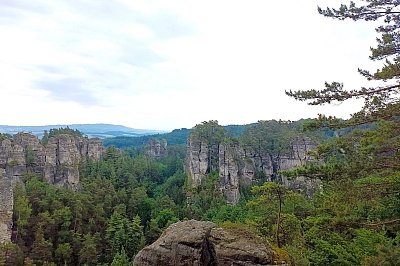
x=156, y=148
x=6, y=208
x=229, y=165
x=57, y=162
x=238, y=166
x=204, y=243
x=201, y=159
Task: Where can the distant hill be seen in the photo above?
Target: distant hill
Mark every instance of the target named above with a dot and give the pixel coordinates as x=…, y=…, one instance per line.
x=91, y=130
x=175, y=137
x=180, y=136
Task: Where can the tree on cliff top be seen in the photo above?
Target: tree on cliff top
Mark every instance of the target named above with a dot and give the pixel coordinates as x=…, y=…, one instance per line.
x=64, y=130
x=210, y=131
x=380, y=101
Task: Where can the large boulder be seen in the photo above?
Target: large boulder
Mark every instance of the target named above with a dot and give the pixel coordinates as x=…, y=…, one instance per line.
x=204, y=243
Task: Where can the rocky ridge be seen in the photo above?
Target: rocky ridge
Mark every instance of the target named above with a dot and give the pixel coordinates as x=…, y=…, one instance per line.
x=204, y=243
x=56, y=162
x=238, y=166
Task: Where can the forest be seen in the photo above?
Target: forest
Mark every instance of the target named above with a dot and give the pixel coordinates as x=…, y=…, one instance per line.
x=127, y=199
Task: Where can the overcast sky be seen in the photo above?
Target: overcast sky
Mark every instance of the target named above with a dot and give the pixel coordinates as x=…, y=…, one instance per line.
x=159, y=64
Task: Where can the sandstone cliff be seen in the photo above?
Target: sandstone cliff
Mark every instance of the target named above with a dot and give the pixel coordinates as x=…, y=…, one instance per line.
x=204, y=243
x=57, y=162
x=156, y=148
x=238, y=166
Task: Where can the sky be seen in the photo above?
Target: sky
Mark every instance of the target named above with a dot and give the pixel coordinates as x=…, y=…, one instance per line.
x=156, y=64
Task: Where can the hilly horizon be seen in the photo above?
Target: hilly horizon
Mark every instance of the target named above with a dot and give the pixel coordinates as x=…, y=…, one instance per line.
x=99, y=130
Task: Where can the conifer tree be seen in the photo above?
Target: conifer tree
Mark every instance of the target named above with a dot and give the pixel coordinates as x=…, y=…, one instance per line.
x=380, y=101
x=121, y=259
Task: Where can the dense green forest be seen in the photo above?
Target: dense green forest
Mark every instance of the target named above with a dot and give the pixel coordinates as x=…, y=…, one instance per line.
x=126, y=200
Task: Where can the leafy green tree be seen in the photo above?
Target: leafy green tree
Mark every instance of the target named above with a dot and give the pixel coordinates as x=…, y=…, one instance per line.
x=29, y=156
x=88, y=253
x=274, y=194
x=121, y=259
x=22, y=211
x=165, y=218
x=41, y=252
x=153, y=232
x=63, y=253
x=45, y=138
x=64, y=130
x=11, y=254
x=123, y=233
x=209, y=131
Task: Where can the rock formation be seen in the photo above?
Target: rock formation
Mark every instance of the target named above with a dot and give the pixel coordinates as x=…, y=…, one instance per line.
x=6, y=208
x=57, y=162
x=156, y=148
x=238, y=166
x=204, y=243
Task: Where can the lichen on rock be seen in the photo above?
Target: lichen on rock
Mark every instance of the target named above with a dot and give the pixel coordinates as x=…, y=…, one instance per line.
x=204, y=243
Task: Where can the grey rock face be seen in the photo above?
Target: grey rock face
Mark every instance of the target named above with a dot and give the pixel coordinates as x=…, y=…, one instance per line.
x=204, y=243
x=156, y=148
x=57, y=162
x=200, y=160
x=229, y=172
x=237, y=166
x=6, y=207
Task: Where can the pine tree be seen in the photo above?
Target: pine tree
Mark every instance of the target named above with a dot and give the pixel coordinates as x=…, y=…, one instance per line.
x=121, y=259
x=382, y=101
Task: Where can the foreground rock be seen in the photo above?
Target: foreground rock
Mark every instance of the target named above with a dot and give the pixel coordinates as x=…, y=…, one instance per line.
x=204, y=243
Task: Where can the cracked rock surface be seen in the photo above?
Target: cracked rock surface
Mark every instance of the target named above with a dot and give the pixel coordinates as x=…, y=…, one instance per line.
x=204, y=243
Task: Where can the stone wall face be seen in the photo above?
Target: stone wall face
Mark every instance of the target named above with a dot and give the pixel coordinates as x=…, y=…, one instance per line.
x=57, y=162
x=6, y=208
x=201, y=159
x=156, y=148
x=229, y=172
x=237, y=166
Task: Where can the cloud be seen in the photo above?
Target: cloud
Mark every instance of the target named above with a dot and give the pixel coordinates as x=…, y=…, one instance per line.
x=166, y=64
x=68, y=89
x=168, y=25
x=78, y=48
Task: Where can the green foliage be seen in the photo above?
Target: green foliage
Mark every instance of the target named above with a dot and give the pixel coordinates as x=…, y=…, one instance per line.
x=29, y=156
x=4, y=136
x=63, y=253
x=124, y=233
x=176, y=137
x=123, y=202
x=88, y=253
x=62, y=130
x=121, y=259
x=127, y=200
x=380, y=101
x=210, y=132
